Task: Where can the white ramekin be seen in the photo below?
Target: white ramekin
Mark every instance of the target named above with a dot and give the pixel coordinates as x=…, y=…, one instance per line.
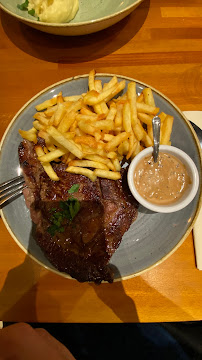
x=188, y=195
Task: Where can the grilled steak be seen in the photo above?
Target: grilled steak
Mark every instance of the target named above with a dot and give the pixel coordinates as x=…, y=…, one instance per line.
x=85, y=245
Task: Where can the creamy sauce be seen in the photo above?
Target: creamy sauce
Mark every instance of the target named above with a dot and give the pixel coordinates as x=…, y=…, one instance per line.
x=162, y=182
x=54, y=11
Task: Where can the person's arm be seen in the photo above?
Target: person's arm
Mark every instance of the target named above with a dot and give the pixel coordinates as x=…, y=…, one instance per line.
x=21, y=342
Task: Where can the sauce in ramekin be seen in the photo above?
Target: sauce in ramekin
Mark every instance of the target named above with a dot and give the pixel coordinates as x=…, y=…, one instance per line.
x=163, y=182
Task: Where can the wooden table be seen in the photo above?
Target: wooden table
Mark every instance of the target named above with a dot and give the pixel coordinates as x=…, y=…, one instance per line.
x=160, y=44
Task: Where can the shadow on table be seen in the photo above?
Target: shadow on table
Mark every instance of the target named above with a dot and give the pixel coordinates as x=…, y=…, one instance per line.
x=115, y=297
x=125, y=308
x=18, y=295
x=73, y=49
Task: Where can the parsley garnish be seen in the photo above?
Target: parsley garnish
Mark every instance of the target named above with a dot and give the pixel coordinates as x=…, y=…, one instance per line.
x=68, y=211
x=31, y=12
x=23, y=6
x=73, y=189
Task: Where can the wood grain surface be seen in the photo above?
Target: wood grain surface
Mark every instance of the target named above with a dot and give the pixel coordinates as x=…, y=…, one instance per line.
x=160, y=43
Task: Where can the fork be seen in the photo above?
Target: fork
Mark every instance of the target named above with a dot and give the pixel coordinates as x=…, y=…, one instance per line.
x=11, y=188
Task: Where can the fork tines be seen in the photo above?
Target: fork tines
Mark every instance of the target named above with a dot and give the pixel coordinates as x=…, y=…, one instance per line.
x=11, y=188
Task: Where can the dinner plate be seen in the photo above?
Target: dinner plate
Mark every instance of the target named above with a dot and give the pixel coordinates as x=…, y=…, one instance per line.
x=153, y=236
x=91, y=17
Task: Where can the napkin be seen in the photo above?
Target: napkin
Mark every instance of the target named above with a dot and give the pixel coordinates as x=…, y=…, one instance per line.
x=196, y=117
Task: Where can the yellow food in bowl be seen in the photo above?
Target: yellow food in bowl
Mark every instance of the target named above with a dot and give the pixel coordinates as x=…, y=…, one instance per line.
x=54, y=11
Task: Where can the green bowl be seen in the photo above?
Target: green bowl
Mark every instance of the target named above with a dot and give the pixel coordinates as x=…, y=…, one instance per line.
x=91, y=17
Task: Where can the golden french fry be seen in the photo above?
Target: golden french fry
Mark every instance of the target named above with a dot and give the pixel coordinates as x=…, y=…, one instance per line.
x=88, y=163
x=82, y=171
x=113, y=175
x=148, y=97
x=162, y=116
x=78, y=132
x=46, y=165
x=132, y=141
x=150, y=132
x=69, y=135
x=103, y=108
x=52, y=155
x=67, y=144
x=87, y=128
x=67, y=104
x=87, y=140
x=123, y=148
x=67, y=121
x=72, y=98
x=87, y=150
x=51, y=120
x=108, y=137
x=145, y=118
x=104, y=124
x=59, y=114
x=98, y=85
x=140, y=98
x=117, y=88
x=119, y=115
x=137, y=148
x=116, y=141
x=131, y=94
x=166, y=130
x=73, y=126
x=148, y=109
x=97, y=136
x=110, y=165
x=116, y=164
x=126, y=117
x=44, y=135
x=42, y=119
x=91, y=80
x=111, y=113
x=46, y=104
x=38, y=126
x=111, y=83
x=93, y=97
x=75, y=106
x=92, y=117
x=111, y=155
x=51, y=147
x=147, y=140
x=29, y=135
x=40, y=116
x=85, y=110
x=138, y=131
x=60, y=98
x=100, y=159
x=95, y=157
x=50, y=110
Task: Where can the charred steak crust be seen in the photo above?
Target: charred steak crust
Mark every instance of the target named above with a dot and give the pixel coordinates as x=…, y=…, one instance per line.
x=106, y=212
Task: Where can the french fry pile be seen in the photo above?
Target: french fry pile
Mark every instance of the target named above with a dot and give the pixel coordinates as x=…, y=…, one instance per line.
x=92, y=132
